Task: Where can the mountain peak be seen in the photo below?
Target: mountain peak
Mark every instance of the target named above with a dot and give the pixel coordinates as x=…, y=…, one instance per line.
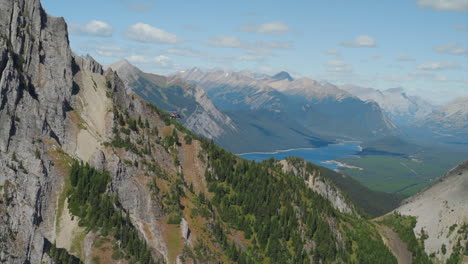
x=282, y=76
x=121, y=65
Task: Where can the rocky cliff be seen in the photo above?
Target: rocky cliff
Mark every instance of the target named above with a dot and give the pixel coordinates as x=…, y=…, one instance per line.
x=90, y=173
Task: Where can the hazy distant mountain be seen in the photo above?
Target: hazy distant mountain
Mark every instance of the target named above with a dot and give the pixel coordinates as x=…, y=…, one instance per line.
x=319, y=107
x=282, y=76
x=449, y=121
x=400, y=108
x=172, y=94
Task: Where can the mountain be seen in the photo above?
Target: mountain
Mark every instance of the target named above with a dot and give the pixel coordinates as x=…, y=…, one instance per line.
x=451, y=121
x=400, y=108
x=328, y=110
x=441, y=213
x=324, y=110
x=256, y=110
x=92, y=174
x=172, y=94
x=282, y=76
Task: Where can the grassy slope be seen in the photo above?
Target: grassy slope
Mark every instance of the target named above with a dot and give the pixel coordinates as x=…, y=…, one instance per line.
x=396, y=165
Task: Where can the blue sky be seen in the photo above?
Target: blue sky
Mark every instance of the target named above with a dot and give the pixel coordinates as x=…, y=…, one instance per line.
x=420, y=45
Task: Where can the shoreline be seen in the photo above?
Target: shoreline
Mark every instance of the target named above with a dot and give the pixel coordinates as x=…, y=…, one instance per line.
x=274, y=152
x=339, y=142
x=342, y=165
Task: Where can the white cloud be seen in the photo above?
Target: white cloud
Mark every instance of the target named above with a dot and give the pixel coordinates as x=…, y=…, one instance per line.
x=161, y=60
x=361, y=41
x=404, y=57
x=445, y=5
x=433, y=66
x=452, y=48
x=93, y=28
x=376, y=56
x=146, y=33
x=334, y=52
x=275, y=28
x=226, y=41
x=338, y=66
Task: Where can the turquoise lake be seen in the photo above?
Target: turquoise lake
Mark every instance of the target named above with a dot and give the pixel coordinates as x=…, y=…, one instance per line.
x=320, y=156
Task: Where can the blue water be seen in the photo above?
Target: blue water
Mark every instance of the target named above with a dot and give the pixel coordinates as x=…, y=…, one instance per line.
x=318, y=156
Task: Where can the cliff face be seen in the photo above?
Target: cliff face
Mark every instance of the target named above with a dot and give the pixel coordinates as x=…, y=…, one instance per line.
x=36, y=84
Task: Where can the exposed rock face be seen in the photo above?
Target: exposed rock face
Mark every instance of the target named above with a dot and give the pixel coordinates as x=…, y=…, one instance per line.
x=319, y=108
x=199, y=114
x=36, y=84
x=54, y=105
x=441, y=211
x=320, y=186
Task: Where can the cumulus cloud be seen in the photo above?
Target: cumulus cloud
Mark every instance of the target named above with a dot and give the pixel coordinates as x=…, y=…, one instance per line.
x=161, y=60
x=338, y=66
x=452, y=48
x=404, y=57
x=333, y=52
x=146, y=33
x=445, y=5
x=434, y=66
x=275, y=28
x=360, y=41
x=93, y=28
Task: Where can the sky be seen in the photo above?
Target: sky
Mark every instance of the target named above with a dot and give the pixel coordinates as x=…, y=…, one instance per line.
x=420, y=45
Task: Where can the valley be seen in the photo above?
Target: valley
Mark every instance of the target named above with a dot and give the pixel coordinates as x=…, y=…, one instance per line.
x=115, y=164
x=323, y=156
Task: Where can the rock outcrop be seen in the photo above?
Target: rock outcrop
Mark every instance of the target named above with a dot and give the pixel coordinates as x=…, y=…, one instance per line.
x=319, y=184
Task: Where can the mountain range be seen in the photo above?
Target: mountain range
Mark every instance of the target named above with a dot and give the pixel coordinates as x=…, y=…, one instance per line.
x=321, y=110
x=91, y=172
x=400, y=108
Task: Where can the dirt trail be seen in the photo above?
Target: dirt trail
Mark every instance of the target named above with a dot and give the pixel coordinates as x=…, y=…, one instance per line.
x=395, y=244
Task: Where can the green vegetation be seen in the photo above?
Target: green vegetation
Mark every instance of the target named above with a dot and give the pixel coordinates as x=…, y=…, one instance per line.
x=374, y=203
x=392, y=174
x=60, y=255
x=256, y=198
x=403, y=226
x=98, y=210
